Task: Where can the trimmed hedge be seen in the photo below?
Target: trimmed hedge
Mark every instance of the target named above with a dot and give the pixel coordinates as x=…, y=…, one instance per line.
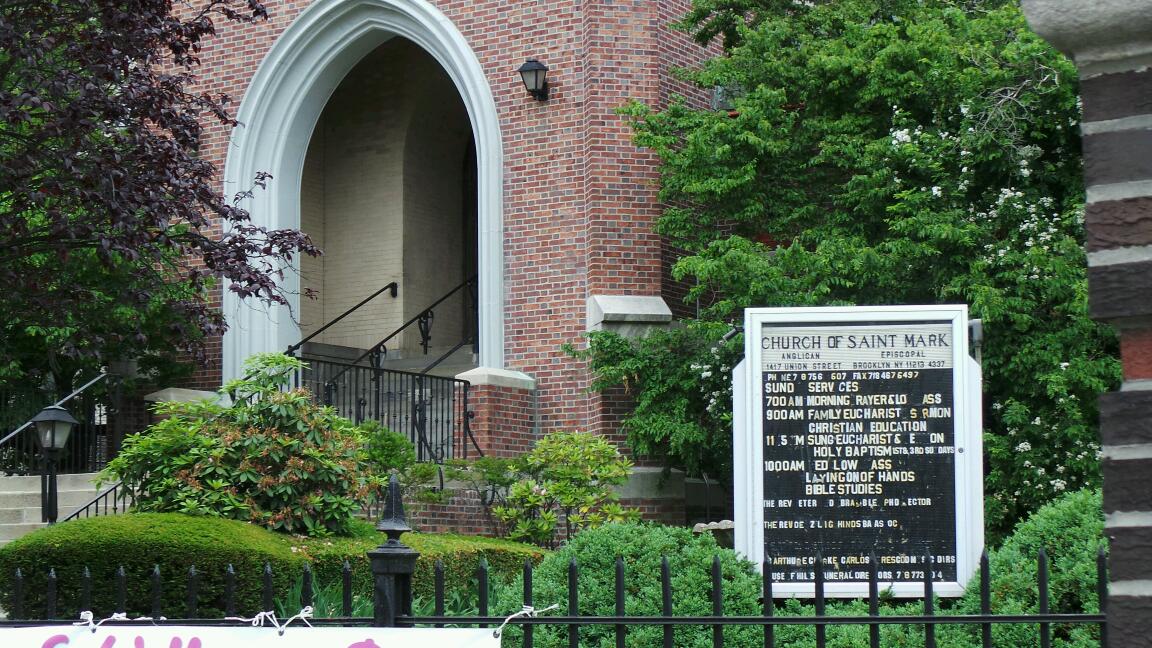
x=460, y=554
x=141, y=541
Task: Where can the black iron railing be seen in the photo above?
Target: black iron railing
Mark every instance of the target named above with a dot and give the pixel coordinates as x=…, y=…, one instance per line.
x=35, y=600
x=390, y=288
x=432, y=411
x=113, y=499
x=378, y=353
x=92, y=444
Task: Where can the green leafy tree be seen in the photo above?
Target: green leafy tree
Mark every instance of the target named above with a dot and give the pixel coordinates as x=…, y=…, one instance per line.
x=114, y=235
x=898, y=151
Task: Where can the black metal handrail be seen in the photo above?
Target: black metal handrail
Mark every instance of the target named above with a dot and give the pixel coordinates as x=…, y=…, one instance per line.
x=393, y=287
x=111, y=500
x=94, y=441
x=59, y=403
x=424, y=316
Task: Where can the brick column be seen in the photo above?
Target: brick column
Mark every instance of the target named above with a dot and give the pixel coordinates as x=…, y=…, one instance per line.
x=1111, y=43
x=504, y=405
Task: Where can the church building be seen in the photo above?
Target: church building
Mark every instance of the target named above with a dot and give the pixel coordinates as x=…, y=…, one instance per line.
x=463, y=165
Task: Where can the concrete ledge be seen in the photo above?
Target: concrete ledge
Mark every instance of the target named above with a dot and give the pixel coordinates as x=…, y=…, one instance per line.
x=1102, y=30
x=182, y=395
x=481, y=376
x=644, y=483
x=628, y=315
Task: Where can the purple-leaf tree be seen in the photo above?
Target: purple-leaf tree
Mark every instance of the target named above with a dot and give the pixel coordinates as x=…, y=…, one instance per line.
x=114, y=236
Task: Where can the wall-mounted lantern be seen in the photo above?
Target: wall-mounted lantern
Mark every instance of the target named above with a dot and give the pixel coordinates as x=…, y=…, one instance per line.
x=535, y=77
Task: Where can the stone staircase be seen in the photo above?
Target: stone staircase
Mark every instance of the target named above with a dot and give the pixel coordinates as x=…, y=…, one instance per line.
x=20, y=502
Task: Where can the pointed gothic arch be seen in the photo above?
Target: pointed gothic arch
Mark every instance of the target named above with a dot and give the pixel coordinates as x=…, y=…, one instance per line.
x=277, y=116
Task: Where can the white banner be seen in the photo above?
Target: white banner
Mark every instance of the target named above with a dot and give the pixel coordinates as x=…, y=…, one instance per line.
x=220, y=637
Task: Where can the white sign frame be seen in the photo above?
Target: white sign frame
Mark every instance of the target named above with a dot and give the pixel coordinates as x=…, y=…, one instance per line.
x=748, y=442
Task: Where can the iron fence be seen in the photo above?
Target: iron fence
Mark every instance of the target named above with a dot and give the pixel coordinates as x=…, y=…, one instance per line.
x=572, y=622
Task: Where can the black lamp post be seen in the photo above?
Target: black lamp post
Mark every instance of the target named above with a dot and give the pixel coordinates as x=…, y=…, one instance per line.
x=535, y=77
x=53, y=426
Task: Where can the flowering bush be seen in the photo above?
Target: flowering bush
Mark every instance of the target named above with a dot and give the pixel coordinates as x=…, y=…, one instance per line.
x=274, y=457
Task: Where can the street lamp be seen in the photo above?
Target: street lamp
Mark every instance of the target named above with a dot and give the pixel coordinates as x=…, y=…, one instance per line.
x=53, y=426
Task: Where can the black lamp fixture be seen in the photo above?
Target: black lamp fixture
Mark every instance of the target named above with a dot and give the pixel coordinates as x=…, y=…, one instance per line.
x=535, y=77
x=53, y=427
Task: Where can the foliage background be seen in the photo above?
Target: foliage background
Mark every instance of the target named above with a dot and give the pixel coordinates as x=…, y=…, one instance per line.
x=882, y=152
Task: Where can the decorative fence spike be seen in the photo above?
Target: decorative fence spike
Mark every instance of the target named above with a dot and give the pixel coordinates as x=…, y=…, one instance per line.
x=51, y=594
x=85, y=590
x=573, y=602
x=929, y=603
x=873, y=601
x=821, y=631
x=482, y=586
x=1043, y=605
x=193, y=601
x=229, y=591
x=769, y=603
x=307, y=596
x=157, y=592
x=717, y=602
x=121, y=590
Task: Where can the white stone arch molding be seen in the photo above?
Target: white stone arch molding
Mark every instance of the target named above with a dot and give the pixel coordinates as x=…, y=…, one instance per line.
x=279, y=111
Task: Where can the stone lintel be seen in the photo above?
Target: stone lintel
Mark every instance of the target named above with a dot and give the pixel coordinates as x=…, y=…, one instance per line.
x=481, y=376
x=649, y=483
x=1093, y=33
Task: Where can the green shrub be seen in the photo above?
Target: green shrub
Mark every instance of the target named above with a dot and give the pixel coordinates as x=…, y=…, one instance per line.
x=1071, y=532
x=273, y=457
x=641, y=546
x=386, y=450
x=139, y=543
x=566, y=478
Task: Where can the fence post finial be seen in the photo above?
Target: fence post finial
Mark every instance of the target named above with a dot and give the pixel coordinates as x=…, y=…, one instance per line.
x=392, y=563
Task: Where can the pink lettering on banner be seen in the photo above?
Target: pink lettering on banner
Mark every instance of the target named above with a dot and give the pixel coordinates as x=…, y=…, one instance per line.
x=367, y=643
x=55, y=640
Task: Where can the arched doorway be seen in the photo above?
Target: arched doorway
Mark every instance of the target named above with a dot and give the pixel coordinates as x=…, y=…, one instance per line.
x=281, y=110
x=389, y=192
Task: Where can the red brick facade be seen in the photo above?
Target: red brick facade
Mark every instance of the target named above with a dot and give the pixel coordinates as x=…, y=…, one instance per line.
x=579, y=199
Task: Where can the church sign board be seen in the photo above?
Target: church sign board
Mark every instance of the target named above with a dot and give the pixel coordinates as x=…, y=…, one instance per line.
x=860, y=436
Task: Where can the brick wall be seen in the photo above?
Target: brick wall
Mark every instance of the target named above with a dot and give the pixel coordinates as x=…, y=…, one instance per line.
x=579, y=198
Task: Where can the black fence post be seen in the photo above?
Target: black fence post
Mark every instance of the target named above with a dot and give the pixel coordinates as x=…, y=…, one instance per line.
x=392, y=563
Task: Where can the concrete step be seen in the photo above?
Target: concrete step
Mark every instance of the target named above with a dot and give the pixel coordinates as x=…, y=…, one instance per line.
x=31, y=483
x=68, y=500
x=20, y=515
x=10, y=532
